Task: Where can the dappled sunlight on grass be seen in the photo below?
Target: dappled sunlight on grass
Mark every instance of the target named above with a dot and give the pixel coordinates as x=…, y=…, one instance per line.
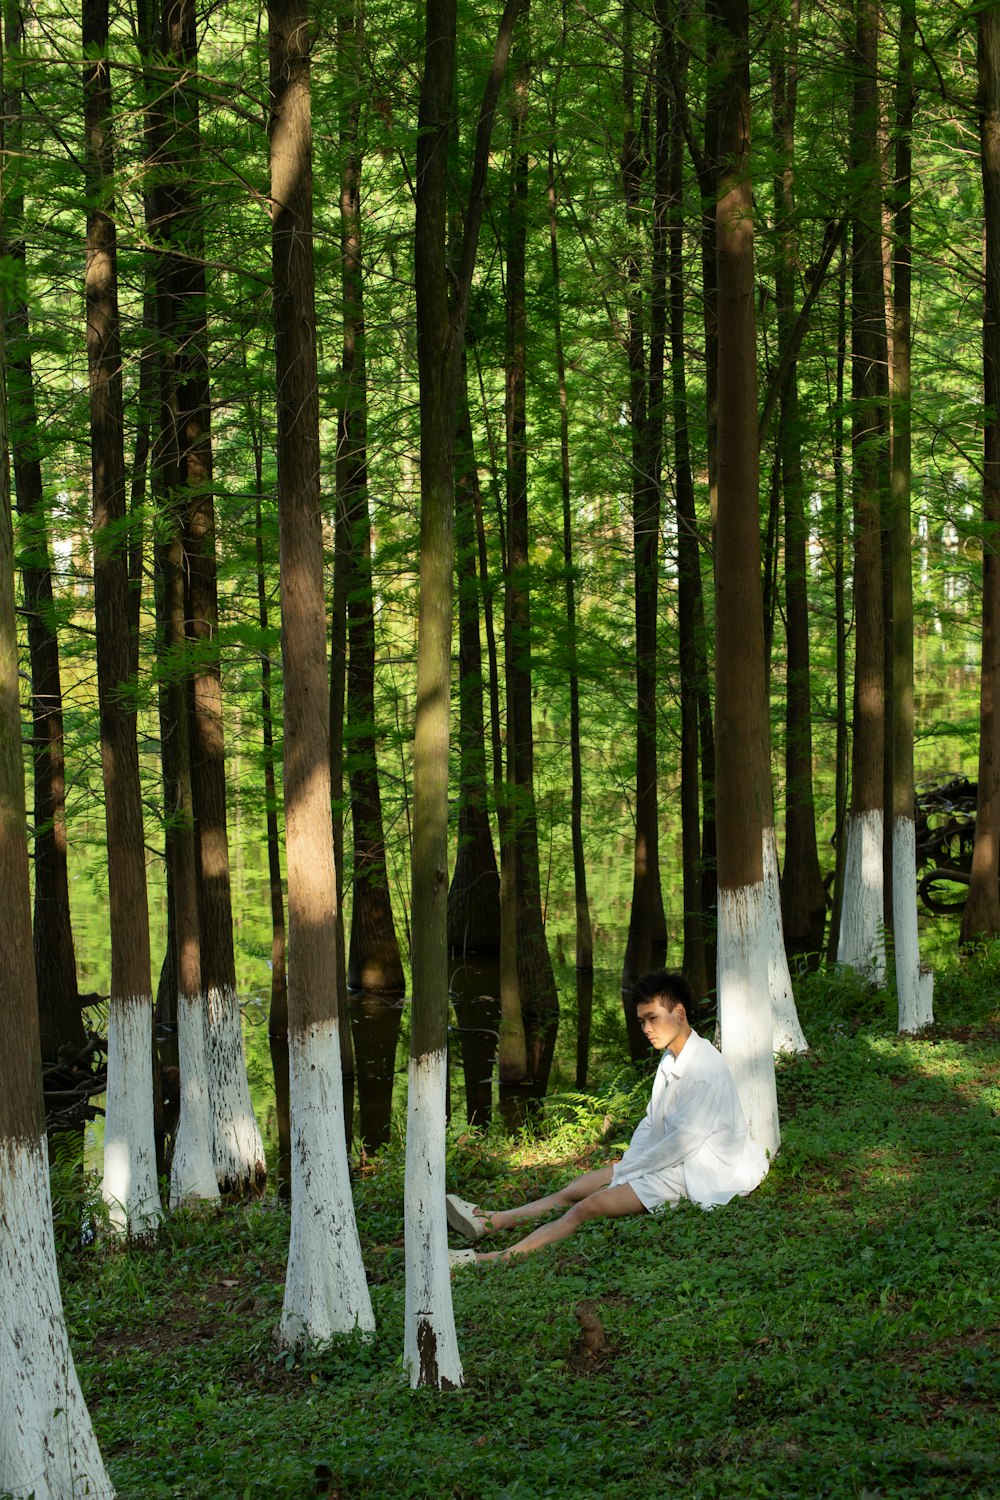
x=834, y=1334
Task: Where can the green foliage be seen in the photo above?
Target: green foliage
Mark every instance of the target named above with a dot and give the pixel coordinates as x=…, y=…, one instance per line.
x=832, y=1335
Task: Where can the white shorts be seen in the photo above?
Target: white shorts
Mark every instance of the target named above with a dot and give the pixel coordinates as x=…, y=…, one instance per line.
x=655, y=1190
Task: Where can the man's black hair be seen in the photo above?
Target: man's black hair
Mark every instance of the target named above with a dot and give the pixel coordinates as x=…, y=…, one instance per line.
x=666, y=984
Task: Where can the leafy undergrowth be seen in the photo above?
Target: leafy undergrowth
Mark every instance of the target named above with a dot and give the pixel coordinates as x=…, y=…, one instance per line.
x=836, y=1334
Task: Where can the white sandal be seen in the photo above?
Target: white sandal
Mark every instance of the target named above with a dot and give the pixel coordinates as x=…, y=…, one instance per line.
x=462, y=1217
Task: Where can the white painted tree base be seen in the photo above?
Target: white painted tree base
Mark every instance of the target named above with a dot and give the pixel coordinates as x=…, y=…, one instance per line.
x=861, y=944
x=914, y=984
x=745, y=1014
x=430, y=1343
x=192, y=1171
x=238, y=1149
x=326, y=1293
x=129, y=1187
x=788, y=1034
x=47, y=1445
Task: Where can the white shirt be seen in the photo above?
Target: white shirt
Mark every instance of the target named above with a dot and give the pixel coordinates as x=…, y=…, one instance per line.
x=695, y=1121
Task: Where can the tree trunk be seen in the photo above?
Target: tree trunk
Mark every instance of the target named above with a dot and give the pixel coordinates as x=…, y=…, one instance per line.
x=430, y=1347
x=373, y=964
x=537, y=999
x=803, y=899
x=646, y=943
x=238, y=1149
x=129, y=1186
x=981, y=918
x=839, y=622
x=325, y=1288
x=277, y=1018
x=474, y=894
x=742, y=727
x=47, y=1456
x=913, y=987
x=60, y=1022
x=690, y=610
x=861, y=920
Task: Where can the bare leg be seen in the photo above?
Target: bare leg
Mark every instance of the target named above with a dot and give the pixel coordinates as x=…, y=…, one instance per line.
x=573, y=1192
x=604, y=1203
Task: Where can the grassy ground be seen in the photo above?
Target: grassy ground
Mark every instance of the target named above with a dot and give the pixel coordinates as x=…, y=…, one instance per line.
x=836, y=1334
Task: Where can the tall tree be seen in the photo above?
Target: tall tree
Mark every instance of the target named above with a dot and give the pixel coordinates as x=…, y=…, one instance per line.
x=60, y=1020
x=646, y=941
x=474, y=893
x=129, y=1186
x=430, y=1351
x=743, y=786
x=373, y=962
x=238, y=1148
x=47, y=1443
x=861, y=942
x=526, y=965
x=914, y=988
x=803, y=899
x=325, y=1288
x=981, y=917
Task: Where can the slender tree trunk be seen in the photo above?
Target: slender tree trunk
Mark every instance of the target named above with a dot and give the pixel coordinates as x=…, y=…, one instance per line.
x=803, y=899
x=60, y=1022
x=238, y=1149
x=860, y=940
x=277, y=1020
x=742, y=726
x=981, y=917
x=690, y=609
x=840, y=621
x=47, y=1443
x=646, y=942
x=913, y=987
x=430, y=1348
x=535, y=982
x=373, y=962
x=474, y=894
x=129, y=1186
x=325, y=1288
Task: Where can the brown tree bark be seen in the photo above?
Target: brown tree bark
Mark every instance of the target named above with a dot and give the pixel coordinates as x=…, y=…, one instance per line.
x=474, y=893
x=37, y=1454
x=803, y=899
x=129, y=1181
x=430, y=1351
x=645, y=945
x=860, y=940
x=530, y=961
x=325, y=1288
x=981, y=917
x=373, y=963
x=742, y=723
x=690, y=603
x=60, y=1023
x=184, y=338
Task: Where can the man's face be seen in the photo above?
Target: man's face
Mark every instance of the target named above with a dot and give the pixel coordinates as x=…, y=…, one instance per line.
x=660, y=1025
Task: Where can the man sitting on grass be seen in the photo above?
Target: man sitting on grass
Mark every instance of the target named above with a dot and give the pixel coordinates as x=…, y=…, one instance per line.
x=693, y=1142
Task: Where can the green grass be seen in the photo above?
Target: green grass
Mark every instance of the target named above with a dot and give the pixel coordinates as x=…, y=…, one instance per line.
x=836, y=1334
